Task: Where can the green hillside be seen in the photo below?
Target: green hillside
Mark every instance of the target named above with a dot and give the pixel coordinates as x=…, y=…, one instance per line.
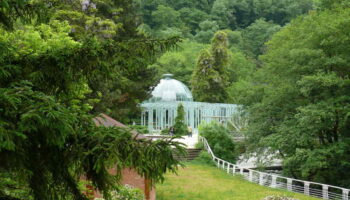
x=204, y=182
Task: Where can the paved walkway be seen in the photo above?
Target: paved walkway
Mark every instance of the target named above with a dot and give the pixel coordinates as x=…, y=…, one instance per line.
x=190, y=142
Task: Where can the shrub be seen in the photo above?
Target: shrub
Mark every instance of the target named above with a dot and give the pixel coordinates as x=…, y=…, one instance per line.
x=205, y=158
x=199, y=145
x=126, y=193
x=220, y=140
x=140, y=129
x=165, y=131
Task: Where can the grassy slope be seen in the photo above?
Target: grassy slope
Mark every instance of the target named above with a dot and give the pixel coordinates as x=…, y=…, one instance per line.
x=203, y=182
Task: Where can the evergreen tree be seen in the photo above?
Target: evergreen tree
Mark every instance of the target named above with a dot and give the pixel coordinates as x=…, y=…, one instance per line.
x=180, y=127
x=48, y=71
x=209, y=78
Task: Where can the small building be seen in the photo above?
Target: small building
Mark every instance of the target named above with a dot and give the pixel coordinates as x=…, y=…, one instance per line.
x=160, y=110
x=129, y=175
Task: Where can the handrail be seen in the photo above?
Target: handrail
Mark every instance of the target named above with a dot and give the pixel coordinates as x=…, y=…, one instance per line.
x=276, y=181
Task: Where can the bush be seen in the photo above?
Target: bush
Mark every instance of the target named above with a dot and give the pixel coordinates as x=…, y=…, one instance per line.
x=220, y=140
x=205, y=158
x=278, y=198
x=140, y=129
x=165, y=131
x=199, y=145
x=126, y=193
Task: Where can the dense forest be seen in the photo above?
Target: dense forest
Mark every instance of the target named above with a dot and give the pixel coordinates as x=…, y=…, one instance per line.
x=247, y=23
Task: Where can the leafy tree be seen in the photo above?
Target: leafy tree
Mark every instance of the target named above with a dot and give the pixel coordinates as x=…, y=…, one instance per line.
x=241, y=72
x=302, y=108
x=180, y=127
x=220, y=140
x=180, y=61
x=209, y=78
x=220, y=13
x=192, y=18
x=166, y=17
x=257, y=34
x=281, y=12
x=235, y=40
x=147, y=7
x=206, y=31
x=327, y=4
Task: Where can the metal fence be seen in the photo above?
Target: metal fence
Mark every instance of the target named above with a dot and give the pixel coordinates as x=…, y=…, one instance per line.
x=313, y=189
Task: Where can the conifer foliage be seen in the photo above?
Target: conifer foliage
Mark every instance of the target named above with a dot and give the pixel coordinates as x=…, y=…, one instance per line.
x=48, y=140
x=210, y=78
x=180, y=127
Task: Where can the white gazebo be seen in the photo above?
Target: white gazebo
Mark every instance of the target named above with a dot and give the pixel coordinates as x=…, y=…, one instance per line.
x=160, y=110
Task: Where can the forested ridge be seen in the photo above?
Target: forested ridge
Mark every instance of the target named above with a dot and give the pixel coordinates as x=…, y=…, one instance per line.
x=248, y=24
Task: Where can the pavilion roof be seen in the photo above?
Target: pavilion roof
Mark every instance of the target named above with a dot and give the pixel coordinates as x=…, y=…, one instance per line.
x=107, y=121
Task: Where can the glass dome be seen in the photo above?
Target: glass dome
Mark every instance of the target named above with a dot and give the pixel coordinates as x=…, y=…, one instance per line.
x=170, y=89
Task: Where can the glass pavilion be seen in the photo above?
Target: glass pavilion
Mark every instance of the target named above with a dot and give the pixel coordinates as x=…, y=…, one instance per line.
x=159, y=111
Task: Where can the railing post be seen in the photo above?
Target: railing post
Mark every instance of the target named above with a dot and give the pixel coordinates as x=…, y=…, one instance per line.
x=250, y=175
x=228, y=168
x=325, y=191
x=306, y=188
x=274, y=181
x=261, y=178
x=345, y=194
x=218, y=162
x=223, y=164
x=241, y=170
x=289, y=184
x=234, y=169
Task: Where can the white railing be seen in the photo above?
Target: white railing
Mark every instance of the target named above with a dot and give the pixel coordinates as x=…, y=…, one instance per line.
x=309, y=188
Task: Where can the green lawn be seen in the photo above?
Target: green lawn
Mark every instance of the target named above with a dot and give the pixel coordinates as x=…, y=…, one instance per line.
x=203, y=182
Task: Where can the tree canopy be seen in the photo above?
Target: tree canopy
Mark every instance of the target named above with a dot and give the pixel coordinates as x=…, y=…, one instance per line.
x=302, y=109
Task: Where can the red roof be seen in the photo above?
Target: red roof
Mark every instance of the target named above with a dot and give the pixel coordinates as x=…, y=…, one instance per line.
x=107, y=121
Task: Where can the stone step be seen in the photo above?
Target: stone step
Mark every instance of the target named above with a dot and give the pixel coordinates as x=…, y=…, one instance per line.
x=191, y=155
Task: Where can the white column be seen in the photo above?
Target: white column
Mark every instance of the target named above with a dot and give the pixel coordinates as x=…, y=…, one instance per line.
x=289, y=184
x=228, y=168
x=242, y=170
x=234, y=169
x=150, y=119
x=274, y=181
x=261, y=178
x=250, y=175
x=306, y=188
x=345, y=194
x=161, y=116
x=325, y=191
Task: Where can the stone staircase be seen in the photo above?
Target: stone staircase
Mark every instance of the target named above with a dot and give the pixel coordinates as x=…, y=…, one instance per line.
x=192, y=153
